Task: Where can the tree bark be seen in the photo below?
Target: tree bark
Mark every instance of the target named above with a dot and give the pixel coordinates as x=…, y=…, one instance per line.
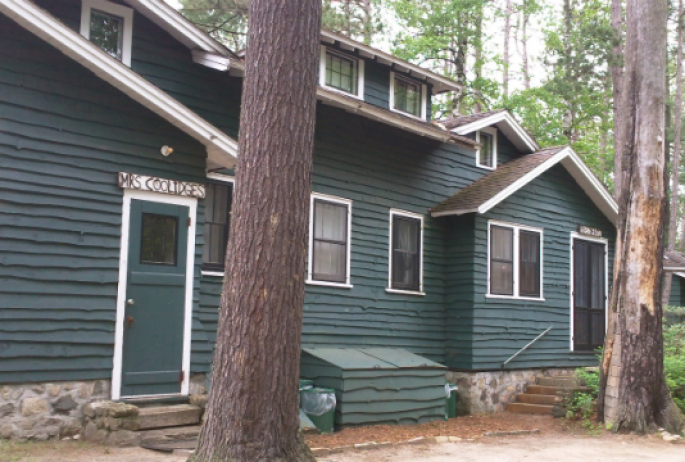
x=635, y=395
x=617, y=77
x=253, y=403
x=675, y=155
x=505, y=60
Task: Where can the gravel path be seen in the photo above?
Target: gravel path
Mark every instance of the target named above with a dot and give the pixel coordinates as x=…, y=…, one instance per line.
x=528, y=449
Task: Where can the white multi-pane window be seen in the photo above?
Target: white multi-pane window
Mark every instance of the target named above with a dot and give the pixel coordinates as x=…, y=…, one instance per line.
x=406, y=253
x=109, y=26
x=486, y=156
x=342, y=73
x=407, y=96
x=329, y=241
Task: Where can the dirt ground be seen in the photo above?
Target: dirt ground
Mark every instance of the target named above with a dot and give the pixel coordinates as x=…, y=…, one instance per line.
x=558, y=441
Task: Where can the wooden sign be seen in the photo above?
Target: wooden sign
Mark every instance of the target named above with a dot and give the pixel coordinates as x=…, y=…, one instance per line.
x=588, y=231
x=160, y=185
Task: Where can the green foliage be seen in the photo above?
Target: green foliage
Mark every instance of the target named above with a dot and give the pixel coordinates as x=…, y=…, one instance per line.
x=582, y=404
x=225, y=20
x=357, y=19
x=674, y=362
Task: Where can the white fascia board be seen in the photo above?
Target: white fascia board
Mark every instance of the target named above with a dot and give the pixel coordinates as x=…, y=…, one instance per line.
x=679, y=273
x=511, y=128
x=332, y=99
x=577, y=169
x=220, y=147
x=676, y=270
x=448, y=213
x=179, y=27
x=211, y=60
x=440, y=83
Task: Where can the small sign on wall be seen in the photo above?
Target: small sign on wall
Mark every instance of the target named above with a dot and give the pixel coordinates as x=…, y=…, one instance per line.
x=589, y=231
x=160, y=185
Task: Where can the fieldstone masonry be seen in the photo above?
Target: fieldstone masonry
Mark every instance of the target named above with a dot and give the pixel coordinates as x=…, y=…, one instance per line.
x=491, y=391
x=42, y=411
x=114, y=424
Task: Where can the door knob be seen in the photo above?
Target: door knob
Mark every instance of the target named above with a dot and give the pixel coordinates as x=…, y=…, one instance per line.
x=129, y=320
x=130, y=301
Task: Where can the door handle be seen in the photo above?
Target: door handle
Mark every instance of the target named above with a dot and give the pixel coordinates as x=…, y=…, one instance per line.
x=129, y=320
x=130, y=301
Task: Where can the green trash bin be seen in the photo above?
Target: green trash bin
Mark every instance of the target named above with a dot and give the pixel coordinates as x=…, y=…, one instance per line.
x=319, y=405
x=450, y=401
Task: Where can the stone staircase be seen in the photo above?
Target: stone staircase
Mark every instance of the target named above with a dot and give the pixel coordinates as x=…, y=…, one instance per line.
x=546, y=396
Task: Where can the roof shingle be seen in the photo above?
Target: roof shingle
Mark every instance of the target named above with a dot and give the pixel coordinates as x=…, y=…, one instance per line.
x=481, y=191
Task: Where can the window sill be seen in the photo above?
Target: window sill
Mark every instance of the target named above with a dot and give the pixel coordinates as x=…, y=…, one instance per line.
x=405, y=292
x=218, y=274
x=342, y=92
x=510, y=297
x=407, y=114
x=485, y=167
x=340, y=285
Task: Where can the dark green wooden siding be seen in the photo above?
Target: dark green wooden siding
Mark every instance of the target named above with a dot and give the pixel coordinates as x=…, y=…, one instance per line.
x=486, y=332
x=64, y=134
x=677, y=295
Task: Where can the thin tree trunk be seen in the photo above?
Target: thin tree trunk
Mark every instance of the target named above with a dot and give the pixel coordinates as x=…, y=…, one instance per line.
x=368, y=21
x=637, y=398
x=619, y=145
x=505, y=60
x=617, y=77
x=253, y=404
x=524, y=45
x=675, y=163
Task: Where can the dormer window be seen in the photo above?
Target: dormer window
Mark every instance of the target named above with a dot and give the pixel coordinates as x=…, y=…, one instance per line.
x=342, y=73
x=407, y=96
x=487, y=154
x=109, y=26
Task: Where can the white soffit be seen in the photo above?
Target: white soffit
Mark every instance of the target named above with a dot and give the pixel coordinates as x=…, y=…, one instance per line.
x=577, y=169
x=221, y=149
x=509, y=126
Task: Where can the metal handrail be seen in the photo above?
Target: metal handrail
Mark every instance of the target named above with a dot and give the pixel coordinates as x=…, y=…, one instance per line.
x=526, y=347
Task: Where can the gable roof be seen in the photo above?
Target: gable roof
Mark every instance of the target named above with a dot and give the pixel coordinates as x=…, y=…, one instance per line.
x=503, y=119
x=674, y=262
x=498, y=185
x=440, y=84
x=222, y=150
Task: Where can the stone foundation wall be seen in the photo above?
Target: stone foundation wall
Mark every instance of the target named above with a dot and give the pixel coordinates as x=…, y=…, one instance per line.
x=491, y=391
x=41, y=411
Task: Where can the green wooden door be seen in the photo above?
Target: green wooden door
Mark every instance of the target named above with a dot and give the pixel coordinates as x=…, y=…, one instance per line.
x=155, y=299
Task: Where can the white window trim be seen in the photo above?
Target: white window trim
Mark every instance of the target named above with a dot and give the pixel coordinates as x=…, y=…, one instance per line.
x=599, y=240
x=191, y=203
x=225, y=179
x=116, y=10
x=491, y=131
x=359, y=69
x=310, y=263
x=517, y=228
x=390, y=289
x=424, y=96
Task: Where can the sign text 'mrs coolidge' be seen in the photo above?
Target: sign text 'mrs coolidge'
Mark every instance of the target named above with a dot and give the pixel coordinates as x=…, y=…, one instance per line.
x=160, y=185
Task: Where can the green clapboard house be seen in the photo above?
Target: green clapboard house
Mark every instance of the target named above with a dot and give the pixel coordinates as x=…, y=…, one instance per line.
x=458, y=241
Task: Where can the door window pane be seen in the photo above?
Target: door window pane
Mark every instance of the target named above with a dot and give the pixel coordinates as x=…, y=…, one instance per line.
x=218, y=201
x=159, y=239
x=329, y=259
x=107, y=32
x=589, y=294
x=529, y=264
x=341, y=73
x=501, y=260
x=406, y=253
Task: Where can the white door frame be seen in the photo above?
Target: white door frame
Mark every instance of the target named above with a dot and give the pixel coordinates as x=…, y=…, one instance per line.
x=597, y=240
x=191, y=203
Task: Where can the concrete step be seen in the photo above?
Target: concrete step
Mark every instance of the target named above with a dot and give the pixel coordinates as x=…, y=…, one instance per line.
x=525, y=408
x=166, y=435
x=549, y=400
x=560, y=382
x=541, y=390
x=169, y=416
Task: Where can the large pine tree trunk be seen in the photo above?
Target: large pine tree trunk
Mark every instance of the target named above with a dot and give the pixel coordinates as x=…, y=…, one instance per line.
x=253, y=404
x=675, y=162
x=634, y=394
